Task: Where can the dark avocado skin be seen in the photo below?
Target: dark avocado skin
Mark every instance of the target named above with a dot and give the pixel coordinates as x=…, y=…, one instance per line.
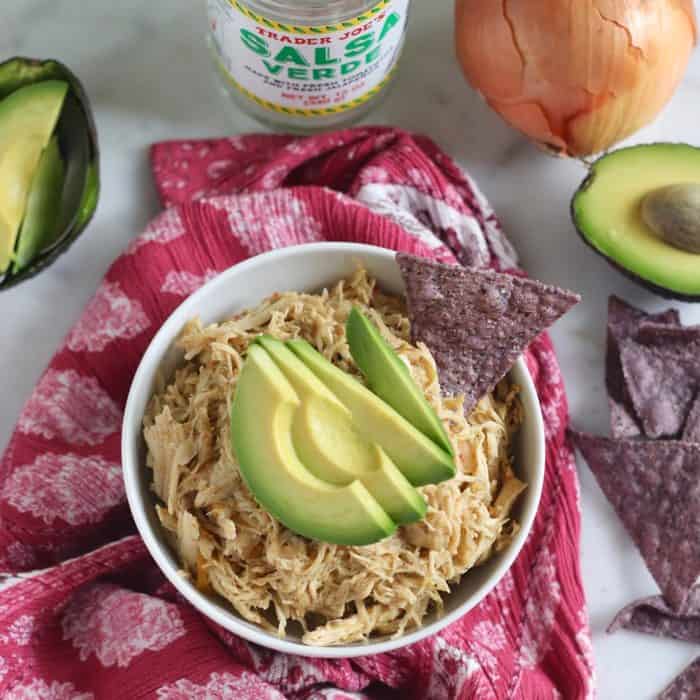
x=656, y=289
x=77, y=136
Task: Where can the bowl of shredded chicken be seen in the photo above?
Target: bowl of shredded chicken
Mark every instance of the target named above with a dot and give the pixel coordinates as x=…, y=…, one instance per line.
x=231, y=555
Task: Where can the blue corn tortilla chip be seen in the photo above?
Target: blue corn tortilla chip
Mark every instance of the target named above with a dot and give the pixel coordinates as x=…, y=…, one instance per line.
x=654, y=487
x=476, y=322
x=653, y=616
x=662, y=374
x=686, y=686
x=624, y=321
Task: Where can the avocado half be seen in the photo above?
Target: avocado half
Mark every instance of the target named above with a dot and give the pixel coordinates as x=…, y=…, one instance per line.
x=606, y=211
x=77, y=141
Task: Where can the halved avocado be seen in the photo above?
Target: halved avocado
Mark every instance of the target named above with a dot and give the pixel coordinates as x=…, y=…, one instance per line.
x=607, y=213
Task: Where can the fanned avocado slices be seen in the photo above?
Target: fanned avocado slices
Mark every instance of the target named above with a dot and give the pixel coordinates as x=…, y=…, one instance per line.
x=389, y=378
x=328, y=445
x=262, y=416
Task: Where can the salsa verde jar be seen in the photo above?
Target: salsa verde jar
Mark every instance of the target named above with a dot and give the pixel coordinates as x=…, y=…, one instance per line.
x=304, y=65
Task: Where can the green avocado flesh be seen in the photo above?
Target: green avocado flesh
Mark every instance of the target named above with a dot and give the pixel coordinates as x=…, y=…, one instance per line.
x=607, y=213
x=389, y=378
x=262, y=416
x=28, y=118
x=328, y=445
x=42, y=217
x=419, y=459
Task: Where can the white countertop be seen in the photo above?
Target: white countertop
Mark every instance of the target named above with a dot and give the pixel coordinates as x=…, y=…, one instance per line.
x=147, y=71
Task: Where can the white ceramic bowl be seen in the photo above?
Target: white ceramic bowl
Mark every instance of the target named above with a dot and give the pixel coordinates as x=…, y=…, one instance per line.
x=306, y=268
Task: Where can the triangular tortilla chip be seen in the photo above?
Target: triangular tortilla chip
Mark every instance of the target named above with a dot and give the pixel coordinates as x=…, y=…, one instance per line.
x=686, y=686
x=476, y=322
x=655, y=489
x=663, y=378
x=624, y=321
x=653, y=616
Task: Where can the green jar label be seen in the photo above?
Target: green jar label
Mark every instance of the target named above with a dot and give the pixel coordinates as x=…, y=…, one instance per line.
x=308, y=71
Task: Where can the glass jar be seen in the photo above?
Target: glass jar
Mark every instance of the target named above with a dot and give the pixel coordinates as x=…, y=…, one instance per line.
x=305, y=65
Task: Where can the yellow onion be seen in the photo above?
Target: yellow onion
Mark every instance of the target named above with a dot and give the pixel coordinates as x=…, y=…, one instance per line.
x=575, y=75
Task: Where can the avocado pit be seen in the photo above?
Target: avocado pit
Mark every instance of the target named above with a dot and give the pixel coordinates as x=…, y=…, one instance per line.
x=673, y=214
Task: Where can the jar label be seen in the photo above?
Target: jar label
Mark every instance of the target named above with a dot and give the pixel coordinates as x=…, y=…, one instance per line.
x=308, y=71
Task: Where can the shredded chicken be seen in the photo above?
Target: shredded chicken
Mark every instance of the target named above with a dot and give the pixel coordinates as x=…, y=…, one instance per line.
x=329, y=594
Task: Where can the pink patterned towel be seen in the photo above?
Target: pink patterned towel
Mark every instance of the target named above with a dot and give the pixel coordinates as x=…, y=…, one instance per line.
x=105, y=624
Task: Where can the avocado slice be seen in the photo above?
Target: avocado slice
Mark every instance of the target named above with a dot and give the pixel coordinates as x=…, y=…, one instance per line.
x=262, y=414
x=328, y=445
x=42, y=219
x=28, y=118
x=607, y=213
x=389, y=378
x=420, y=460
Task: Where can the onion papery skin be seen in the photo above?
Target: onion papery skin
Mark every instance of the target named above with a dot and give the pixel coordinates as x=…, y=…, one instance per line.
x=576, y=76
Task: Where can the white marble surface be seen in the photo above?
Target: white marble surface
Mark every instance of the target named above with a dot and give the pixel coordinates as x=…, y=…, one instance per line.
x=145, y=67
